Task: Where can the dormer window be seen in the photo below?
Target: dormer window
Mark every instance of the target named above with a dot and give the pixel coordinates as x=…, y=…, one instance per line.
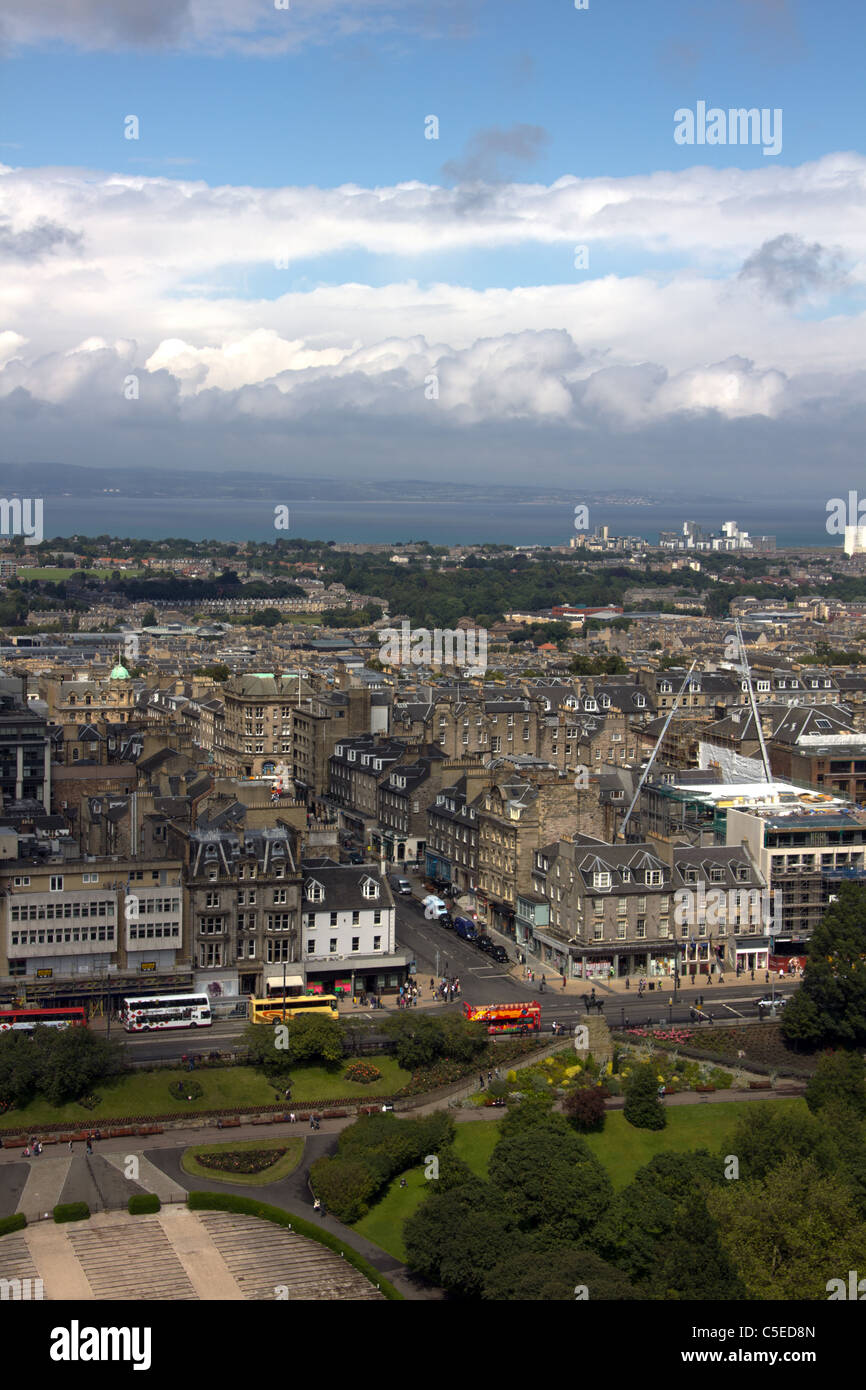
x=370, y=888
x=640, y=701
x=605, y=702
x=590, y=704
x=653, y=877
x=601, y=879
x=665, y=687
x=626, y=873
x=314, y=891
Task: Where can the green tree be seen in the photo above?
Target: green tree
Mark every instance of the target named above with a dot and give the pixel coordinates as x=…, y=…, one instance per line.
x=150, y=619
x=344, y=1185
x=643, y=1109
x=551, y=1179
x=840, y=1078
x=415, y=1038
x=310, y=1038
x=789, y=1233
x=556, y=1277
x=456, y=1237
x=70, y=1062
x=834, y=983
x=764, y=1134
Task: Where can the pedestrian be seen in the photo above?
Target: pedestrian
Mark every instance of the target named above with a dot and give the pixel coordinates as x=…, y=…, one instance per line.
x=70, y=1146
x=532, y=977
x=541, y=988
x=291, y=1117
x=27, y=1150
x=481, y=1080
x=627, y=982
x=489, y=1075
x=89, y=1147
x=431, y=986
x=721, y=979
x=563, y=982
x=312, y=1122
x=766, y=977
x=752, y=974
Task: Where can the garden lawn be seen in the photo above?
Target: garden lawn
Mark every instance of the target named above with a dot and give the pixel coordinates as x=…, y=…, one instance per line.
x=321, y=1083
x=623, y=1149
x=474, y=1142
x=280, y=1169
x=147, y=1093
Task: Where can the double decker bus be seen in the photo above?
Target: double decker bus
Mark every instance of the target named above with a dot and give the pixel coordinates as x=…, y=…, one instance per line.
x=277, y=1007
x=165, y=1011
x=26, y=1020
x=506, y=1018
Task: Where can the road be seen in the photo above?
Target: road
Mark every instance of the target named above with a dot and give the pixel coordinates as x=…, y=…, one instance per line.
x=482, y=981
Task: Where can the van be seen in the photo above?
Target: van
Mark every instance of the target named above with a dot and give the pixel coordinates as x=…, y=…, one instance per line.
x=400, y=885
x=436, y=910
x=465, y=928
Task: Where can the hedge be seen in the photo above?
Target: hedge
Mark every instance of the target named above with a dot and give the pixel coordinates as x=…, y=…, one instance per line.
x=247, y=1206
x=71, y=1211
x=143, y=1203
x=12, y=1223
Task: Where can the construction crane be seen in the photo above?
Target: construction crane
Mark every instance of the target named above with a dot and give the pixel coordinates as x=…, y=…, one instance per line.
x=620, y=834
x=744, y=667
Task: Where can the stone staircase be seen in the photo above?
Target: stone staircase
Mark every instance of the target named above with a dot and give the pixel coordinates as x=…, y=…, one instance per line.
x=263, y=1258
x=149, y=1268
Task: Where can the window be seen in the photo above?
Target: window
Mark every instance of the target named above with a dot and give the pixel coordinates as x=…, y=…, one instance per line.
x=90, y=878
x=280, y=895
x=377, y=943
x=332, y=946
x=211, y=899
x=333, y=919
x=601, y=879
x=56, y=883
x=356, y=917
x=356, y=943
x=653, y=877
x=311, y=947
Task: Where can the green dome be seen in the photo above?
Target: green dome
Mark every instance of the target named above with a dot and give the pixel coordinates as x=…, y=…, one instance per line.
x=119, y=673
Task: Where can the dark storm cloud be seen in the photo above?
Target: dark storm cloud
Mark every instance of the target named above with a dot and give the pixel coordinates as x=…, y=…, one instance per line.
x=787, y=268
x=492, y=155
x=36, y=240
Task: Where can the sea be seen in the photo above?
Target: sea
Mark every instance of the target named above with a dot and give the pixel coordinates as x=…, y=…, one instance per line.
x=447, y=522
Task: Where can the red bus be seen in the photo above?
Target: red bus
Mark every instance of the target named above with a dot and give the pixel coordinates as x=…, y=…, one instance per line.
x=27, y=1019
x=506, y=1018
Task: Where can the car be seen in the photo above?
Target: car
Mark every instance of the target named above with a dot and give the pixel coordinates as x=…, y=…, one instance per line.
x=483, y=942
x=356, y=857
x=435, y=910
x=465, y=928
x=768, y=1002
x=498, y=953
x=402, y=886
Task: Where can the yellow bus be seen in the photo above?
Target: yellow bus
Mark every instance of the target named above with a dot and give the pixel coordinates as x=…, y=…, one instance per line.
x=276, y=1007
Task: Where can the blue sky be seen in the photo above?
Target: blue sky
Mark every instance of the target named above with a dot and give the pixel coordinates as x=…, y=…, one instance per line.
x=721, y=281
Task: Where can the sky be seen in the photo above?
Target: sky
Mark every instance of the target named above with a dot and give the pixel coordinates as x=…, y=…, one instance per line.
x=500, y=242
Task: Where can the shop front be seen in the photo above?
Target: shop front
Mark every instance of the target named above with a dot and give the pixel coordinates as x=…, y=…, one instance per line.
x=751, y=953
x=363, y=975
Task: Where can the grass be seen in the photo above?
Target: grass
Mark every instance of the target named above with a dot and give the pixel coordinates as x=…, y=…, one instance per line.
x=620, y=1147
x=147, y=1093
x=623, y=1149
x=280, y=1169
x=474, y=1142
x=320, y=1083
x=55, y=573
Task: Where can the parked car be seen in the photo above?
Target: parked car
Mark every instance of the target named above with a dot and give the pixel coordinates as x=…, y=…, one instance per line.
x=356, y=857
x=498, y=953
x=768, y=1002
x=401, y=886
x=465, y=928
x=483, y=942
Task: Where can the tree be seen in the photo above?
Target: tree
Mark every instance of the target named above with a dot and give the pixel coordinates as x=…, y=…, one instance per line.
x=150, y=619
x=416, y=1039
x=585, y=1108
x=839, y=1078
x=456, y=1237
x=643, y=1109
x=310, y=1038
x=519, y=1277
x=551, y=1179
x=789, y=1233
x=69, y=1062
x=834, y=984
x=345, y=1186
x=764, y=1134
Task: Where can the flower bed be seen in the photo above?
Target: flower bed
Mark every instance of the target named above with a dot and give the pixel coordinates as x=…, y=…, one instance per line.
x=185, y=1090
x=362, y=1073
x=241, y=1160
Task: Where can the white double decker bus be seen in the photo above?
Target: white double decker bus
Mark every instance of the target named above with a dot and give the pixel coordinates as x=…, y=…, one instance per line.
x=166, y=1011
